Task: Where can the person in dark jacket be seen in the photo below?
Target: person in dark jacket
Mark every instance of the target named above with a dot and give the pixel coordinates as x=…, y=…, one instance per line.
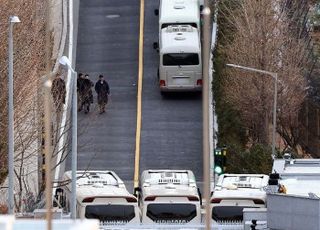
x=58, y=91
x=80, y=89
x=103, y=91
x=87, y=93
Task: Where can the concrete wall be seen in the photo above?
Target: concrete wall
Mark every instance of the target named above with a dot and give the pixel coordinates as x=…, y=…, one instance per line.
x=292, y=212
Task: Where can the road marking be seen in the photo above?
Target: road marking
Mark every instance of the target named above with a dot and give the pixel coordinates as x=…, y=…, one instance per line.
x=139, y=99
x=111, y=16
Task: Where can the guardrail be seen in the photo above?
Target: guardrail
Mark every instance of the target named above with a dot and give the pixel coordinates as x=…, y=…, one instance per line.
x=69, y=83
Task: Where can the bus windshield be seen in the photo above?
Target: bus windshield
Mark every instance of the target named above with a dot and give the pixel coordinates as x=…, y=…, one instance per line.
x=164, y=25
x=228, y=213
x=177, y=59
x=171, y=213
x=110, y=213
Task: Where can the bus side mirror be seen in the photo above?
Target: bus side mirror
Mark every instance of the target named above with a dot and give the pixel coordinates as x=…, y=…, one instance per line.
x=273, y=182
x=156, y=12
x=136, y=191
x=275, y=176
x=156, y=46
x=200, y=196
x=59, y=198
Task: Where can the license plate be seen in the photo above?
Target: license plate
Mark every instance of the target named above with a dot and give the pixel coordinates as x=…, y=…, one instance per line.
x=181, y=81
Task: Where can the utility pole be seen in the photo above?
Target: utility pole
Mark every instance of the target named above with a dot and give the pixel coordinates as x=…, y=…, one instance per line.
x=275, y=95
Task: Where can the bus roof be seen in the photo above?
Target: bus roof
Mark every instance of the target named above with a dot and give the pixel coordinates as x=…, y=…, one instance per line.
x=179, y=11
x=180, y=39
x=300, y=167
x=241, y=186
x=168, y=183
x=98, y=184
x=299, y=176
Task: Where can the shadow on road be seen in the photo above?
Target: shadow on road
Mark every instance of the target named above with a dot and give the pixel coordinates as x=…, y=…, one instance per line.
x=182, y=95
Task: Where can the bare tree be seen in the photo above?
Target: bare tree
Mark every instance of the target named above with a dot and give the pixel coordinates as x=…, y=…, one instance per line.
x=32, y=59
x=28, y=61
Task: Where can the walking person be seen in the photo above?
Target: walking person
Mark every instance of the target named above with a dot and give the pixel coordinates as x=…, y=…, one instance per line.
x=103, y=91
x=80, y=90
x=87, y=93
x=58, y=91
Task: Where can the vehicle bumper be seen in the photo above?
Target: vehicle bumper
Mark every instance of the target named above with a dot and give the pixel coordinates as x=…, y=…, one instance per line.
x=180, y=89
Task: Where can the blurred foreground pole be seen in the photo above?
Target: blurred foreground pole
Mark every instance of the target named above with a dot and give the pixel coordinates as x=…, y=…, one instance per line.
x=47, y=127
x=74, y=156
x=206, y=45
x=47, y=115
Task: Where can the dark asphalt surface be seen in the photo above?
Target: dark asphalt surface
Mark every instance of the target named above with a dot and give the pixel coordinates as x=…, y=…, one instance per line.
x=108, y=44
x=171, y=135
x=172, y=125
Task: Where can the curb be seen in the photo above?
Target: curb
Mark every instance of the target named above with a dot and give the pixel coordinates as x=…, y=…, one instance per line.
x=213, y=125
x=69, y=82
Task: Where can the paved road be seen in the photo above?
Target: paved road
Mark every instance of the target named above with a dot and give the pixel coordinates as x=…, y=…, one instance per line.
x=171, y=126
x=108, y=45
x=171, y=134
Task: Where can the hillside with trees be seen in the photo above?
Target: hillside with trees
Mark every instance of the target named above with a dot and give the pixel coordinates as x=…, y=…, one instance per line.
x=272, y=36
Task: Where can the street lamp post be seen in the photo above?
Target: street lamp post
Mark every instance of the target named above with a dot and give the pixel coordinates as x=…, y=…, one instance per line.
x=66, y=62
x=12, y=21
x=275, y=77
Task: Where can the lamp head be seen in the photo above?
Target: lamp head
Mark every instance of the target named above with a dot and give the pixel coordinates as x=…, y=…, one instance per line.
x=65, y=61
x=232, y=65
x=14, y=19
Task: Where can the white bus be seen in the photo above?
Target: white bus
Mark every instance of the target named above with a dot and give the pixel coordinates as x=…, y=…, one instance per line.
x=101, y=195
x=179, y=12
x=180, y=65
x=169, y=197
x=234, y=192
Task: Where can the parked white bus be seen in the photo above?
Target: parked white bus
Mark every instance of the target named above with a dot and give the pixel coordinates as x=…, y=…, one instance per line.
x=234, y=192
x=169, y=197
x=101, y=195
x=179, y=12
x=180, y=65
